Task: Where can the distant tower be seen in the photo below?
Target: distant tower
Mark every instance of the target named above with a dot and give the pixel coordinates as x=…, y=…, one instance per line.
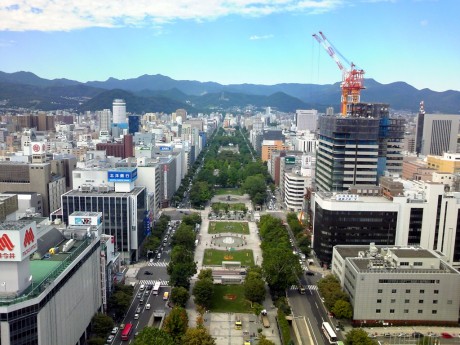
x=119, y=111
x=330, y=111
x=419, y=128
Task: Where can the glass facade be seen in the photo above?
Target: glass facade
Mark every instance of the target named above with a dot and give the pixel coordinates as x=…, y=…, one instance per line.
x=353, y=228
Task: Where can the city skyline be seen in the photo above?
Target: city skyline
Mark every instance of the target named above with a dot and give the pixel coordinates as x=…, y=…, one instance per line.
x=233, y=42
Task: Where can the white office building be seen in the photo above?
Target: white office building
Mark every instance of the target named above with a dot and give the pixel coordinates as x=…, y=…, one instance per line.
x=119, y=111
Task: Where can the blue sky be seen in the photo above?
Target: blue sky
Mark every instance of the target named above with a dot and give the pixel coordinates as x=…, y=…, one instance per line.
x=233, y=41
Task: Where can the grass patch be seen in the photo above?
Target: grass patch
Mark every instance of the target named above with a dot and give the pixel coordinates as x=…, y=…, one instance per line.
x=234, y=227
x=229, y=299
x=215, y=257
x=229, y=191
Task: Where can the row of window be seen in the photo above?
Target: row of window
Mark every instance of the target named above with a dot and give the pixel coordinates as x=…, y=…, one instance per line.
x=408, y=281
x=408, y=291
x=406, y=311
x=420, y=301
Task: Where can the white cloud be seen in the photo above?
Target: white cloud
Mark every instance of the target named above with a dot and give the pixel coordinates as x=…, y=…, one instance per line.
x=263, y=37
x=66, y=15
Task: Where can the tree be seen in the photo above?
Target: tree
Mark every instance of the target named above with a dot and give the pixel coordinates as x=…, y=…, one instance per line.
x=255, y=186
x=192, y=219
x=254, y=287
x=198, y=336
x=264, y=341
x=207, y=273
x=120, y=300
x=179, y=296
x=358, y=336
x=96, y=341
x=203, y=291
x=342, y=309
x=281, y=267
x=184, y=236
x=180, y=273
x=176, y=323
x=102, y=324
x=153, y=336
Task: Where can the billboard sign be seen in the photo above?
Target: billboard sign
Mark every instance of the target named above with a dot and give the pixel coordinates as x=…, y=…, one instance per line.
x=17, y=245
x=122, y=175
x=80, y=220
x=165, y=148
x=289, y=160
x=38, y=147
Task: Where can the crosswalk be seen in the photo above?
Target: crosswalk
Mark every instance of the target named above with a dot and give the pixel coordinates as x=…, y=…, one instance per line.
x=158, y=264
x=309, y=287
x=152, y=282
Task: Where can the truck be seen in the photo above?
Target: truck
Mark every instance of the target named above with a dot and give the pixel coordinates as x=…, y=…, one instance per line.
x=301, y=289
x=265, y=321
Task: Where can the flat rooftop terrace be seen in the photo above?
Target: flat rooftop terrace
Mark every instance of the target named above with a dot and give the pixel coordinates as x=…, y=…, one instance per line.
x=45, y=270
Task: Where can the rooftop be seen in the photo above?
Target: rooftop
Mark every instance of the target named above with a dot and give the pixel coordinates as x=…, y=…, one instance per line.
x=46, y=269
x=14, y=225
x=413, y=252
x=75, y=192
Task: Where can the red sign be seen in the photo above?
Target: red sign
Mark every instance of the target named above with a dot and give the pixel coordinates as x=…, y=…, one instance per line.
x=29, y=237
x=36, y=148
x=5, y=243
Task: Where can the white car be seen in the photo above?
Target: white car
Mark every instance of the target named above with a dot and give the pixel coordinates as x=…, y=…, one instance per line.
x=114, y=330
x=110, y=339
x=136, y=316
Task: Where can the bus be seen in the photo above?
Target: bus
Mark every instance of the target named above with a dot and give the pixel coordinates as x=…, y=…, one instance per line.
x=156, y=288
x=126, y=333
x=329, y=333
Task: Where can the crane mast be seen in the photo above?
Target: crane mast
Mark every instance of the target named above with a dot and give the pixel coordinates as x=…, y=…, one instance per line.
x=352, y=77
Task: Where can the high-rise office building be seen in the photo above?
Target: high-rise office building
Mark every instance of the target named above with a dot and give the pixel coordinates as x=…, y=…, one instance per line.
x=105, y=120
x=119, y=111
x=437, y=133
x=306, y=120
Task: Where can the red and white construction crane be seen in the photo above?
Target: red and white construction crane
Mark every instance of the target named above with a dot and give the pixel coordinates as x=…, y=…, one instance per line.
x=352, y=78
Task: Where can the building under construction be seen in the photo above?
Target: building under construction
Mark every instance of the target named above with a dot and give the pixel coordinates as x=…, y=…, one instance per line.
x=359, y=148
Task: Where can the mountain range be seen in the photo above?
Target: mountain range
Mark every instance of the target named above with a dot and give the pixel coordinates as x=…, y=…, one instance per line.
x=156, y=93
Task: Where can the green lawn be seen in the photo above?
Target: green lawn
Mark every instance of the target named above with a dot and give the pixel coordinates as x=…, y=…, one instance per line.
x=229, y=191
x=215, y=257
x=234, y=227
x=230, y=299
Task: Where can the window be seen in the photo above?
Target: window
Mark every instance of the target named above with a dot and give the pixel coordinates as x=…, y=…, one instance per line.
x=377, y=311
x=404, y=263
x=422, y=291
x=449, y=301
x=434, y=312
x=420, y=301
x=379, y=291
x=435, y=301
x=420, y=311
x=418, y=263
x=393, y=291
x=392, y=311
x=406, y=311
x=379, y=301
x=407, y=301
x=436, y=291
x=393, y=301
x=407, y=290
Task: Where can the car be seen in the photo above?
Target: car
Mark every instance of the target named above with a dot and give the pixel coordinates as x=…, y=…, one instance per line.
x=148, y=273
x=156, y=251
x=136, y=316
x=149, y=287
x=136, y=334
x=122, y=326
x=139, y=295
x=446, y=335
x=138, y=310
x=417, y=335
x=310, y=273
x=147, y=306
x=114, y=330
x=159, y=256
x=141, y=301
x=387, y=335
x=110, y=339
